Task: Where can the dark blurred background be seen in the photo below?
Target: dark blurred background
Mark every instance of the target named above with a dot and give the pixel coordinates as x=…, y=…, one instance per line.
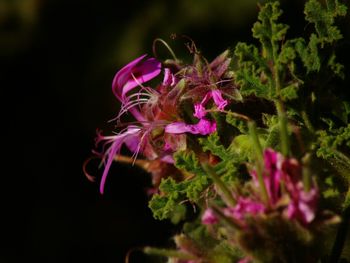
x=58, y=59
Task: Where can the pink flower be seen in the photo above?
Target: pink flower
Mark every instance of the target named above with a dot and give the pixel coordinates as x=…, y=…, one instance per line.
x=218, y=100
x=203, y=127
x=287, y=171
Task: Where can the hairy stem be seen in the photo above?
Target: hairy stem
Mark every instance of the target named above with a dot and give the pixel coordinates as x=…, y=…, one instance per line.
x=223, y=190
x=260, y=159
x=168, y=253
x=342, y=232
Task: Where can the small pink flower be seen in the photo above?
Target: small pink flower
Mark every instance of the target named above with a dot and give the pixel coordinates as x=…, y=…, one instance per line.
x=218, y=100
x=215, y=94
x=209, y=218
x=199, y=111
x=287, y=171
x=245, y=207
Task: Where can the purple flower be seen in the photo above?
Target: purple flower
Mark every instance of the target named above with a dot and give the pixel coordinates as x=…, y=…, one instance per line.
x=203, y=127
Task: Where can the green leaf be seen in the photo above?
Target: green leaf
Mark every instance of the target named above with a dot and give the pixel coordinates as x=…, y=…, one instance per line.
x=251, y=83
x=323, y=18
x=267, y=30
x=187, y=160
x=212, y=143
x=238, y=123
x=289, y=93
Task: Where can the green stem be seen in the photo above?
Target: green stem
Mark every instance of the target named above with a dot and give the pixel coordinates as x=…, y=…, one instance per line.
x=306, y=172
x=166, y=45
x=342, y=232
x=283, y=122
x=260, y=159
x=223, y=190
x=307, y=121
x=171, y=253
x=341, y=163
x=279, y=104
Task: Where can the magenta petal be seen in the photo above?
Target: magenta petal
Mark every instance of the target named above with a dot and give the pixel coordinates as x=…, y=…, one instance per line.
x=133, y=74
x=169, y=79
x=203, y=127
x=123, y=75
x=303, y=205
x=110, y=156
x=128, y=137
x=199, y=111
x=132, y=142
x=144, y=72
x=168, y=159
x=209, y=218
x=218, y=100
x=273, y=174
x=244, y=207
x=177, y=128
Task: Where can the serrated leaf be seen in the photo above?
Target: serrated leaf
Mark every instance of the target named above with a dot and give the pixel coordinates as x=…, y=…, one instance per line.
x=289, y=93
x=212, y=143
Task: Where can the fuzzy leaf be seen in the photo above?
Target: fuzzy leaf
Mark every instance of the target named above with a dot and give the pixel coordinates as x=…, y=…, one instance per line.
x=323, y=19
x=267, y=30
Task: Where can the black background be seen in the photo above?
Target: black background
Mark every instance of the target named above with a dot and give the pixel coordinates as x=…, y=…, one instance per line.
x=55, y=86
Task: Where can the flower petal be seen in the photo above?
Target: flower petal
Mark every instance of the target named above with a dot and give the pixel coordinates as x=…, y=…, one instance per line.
x=203, y=127
x=134, y=74
x=209, y=218
x=218, y=100
x=128, y=137
x=169, y=78
x=199, y=111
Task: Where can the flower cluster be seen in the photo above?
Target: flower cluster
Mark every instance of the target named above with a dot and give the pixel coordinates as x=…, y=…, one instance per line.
x=159, y=129
x=217, y=139
x=282, y=179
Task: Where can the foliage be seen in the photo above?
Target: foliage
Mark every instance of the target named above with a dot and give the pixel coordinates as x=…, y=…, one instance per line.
x=261, y=145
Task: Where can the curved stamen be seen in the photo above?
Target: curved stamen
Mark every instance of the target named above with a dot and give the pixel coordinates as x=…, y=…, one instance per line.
x=130, y=105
